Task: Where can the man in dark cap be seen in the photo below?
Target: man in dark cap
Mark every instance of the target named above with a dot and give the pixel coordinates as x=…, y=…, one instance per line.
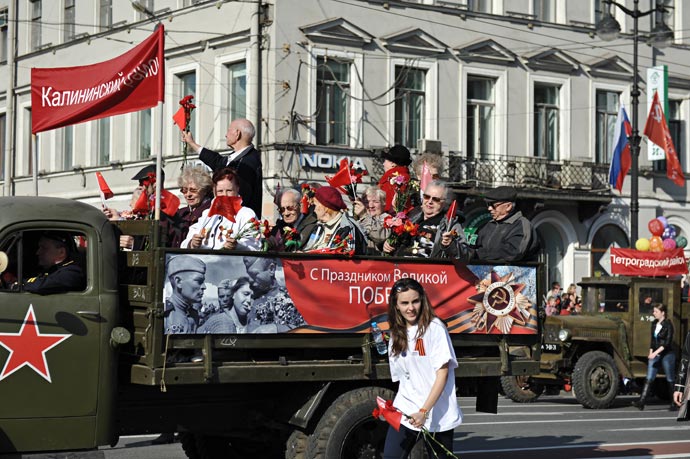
x=395, y=162
x=335, y=231
x=61, y=273
x=187, y=275
x=509, y=236
x=245, y=159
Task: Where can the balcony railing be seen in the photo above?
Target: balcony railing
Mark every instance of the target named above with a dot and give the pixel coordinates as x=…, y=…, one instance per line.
x=529, y=172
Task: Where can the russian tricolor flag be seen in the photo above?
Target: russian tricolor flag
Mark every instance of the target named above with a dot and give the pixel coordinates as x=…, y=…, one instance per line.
x=621, y=157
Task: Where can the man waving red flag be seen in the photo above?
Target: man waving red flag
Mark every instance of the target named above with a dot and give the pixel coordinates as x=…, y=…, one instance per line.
x=657, y=132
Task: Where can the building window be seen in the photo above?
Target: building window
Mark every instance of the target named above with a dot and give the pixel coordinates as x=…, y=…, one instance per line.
x=186, y=86
x=604, y=238
x=546, y=125
x=332, y=101
x=36, y=12
x=67, y=148
x=105, y=14
x=409, y=105
x=545, y=10
x=236, y=95
x=664, y=16
x=146, y=8
x=553, y=249
x=480, y=6
x=103, y=126
x=600, y=8
x=3, y=121
x=3, y=35
x=675, y=125
x=607, y=114
x=480, y=117
x=144, y=145
x=68, y=20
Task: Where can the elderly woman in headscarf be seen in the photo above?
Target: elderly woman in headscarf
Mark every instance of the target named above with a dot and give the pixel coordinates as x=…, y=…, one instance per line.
x=217, y=231
x=196, y=187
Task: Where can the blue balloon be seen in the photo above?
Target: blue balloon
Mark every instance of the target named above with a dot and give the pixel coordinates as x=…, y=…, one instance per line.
x=663, y=221
x=669, y=233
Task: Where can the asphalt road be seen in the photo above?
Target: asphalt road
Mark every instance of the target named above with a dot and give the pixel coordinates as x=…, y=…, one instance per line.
x=553, y=427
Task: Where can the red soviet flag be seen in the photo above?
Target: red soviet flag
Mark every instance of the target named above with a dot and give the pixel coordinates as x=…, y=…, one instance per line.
x=63, y=96
x=169, y=203
x=227, y=206
x=180, y=118
x=657, y=132
x=106, y=192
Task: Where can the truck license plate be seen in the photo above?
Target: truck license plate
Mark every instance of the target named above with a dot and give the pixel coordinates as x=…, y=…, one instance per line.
x=550, y=347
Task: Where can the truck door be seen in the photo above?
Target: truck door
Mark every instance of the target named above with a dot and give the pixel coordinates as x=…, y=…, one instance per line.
x=49, y=346
x=646, y=295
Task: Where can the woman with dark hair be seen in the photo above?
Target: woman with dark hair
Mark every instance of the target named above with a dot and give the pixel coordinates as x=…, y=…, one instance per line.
x=234, y=317
x=217, y=231
x=422, y=358
x=660, y=354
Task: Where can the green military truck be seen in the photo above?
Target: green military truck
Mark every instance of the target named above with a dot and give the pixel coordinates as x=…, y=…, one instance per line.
x=593, y=352
x=81, y=368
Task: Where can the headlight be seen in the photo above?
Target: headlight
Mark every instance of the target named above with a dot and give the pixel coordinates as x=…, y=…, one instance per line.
x=564, y=335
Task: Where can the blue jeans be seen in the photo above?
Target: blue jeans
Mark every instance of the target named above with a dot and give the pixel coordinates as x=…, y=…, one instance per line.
x=400, y=443
x=668, y=362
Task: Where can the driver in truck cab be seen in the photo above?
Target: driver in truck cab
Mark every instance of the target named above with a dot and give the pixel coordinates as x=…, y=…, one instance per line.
x=60, y=272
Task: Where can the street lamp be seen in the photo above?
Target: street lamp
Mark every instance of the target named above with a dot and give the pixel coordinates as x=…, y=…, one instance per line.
x=661, y=36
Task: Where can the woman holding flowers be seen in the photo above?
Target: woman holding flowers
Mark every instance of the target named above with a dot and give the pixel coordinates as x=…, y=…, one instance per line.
x=226, y=224
x=423, y=360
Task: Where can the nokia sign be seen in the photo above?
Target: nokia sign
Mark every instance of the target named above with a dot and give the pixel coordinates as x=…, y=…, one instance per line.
x=329, y=161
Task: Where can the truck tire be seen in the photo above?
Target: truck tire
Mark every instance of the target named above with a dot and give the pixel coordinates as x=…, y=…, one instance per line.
x=520, y=389
x=595, y=380
x=347, y=430
x=296, y=446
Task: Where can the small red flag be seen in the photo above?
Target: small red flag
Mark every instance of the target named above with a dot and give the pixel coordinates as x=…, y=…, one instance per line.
x=142, y=204
x=180, y=118
x=426, y=177
x=451, y=212
x=385, y=411
x=342, y=177
x=227, y=206
x=657, y=132
x=106, y=193
x=169, y=203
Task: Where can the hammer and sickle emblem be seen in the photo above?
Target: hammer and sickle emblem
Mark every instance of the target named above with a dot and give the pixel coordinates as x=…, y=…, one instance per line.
x=499, y=297
x=657, y=113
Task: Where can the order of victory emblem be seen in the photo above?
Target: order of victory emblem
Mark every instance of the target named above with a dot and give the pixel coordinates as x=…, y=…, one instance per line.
x=499, y=303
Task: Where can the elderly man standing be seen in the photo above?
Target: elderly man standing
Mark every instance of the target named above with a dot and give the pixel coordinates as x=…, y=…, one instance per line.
x=436, y=236
x=334, y=226
x=187, y=275
x=245, y=159
x=509, y=236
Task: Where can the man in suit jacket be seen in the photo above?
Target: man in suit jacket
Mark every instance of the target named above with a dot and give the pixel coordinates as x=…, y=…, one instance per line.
x=245, y=159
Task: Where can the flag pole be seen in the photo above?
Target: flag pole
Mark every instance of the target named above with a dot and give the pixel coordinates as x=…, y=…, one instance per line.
x=34, y=169
x=159, y=162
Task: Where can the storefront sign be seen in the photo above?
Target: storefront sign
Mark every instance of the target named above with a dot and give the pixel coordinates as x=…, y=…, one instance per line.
x=630, y=262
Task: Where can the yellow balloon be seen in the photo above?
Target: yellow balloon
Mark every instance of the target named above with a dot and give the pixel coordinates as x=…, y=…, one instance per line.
x=642, y=244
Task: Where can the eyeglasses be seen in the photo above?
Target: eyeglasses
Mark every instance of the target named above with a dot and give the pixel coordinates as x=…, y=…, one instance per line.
x=495, y=204
x=282, y=210
x=435, y=199
x=184, y=190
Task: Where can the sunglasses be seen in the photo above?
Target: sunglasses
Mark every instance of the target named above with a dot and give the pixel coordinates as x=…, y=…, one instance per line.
x=184, y=190
x=495, y=204
x=433, y=198
x=282, y=210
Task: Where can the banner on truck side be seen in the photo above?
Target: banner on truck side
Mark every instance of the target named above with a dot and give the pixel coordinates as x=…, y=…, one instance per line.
x=64, y=96
x=630, y=262
x=227, y=294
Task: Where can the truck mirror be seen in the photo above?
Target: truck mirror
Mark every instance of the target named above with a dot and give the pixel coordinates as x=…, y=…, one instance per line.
x=4, y=261
x=118, y=336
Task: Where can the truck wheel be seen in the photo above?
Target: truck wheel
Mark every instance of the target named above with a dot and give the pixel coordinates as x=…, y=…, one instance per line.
x=595, y=380
x=347, y=430
x=198, y=446
x=296, y=446
x=520, y=389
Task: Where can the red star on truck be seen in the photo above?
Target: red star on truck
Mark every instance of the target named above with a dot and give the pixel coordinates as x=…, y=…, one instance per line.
x=29, y=347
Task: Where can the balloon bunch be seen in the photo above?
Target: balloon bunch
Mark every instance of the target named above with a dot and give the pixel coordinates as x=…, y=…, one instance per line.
x=664, y=237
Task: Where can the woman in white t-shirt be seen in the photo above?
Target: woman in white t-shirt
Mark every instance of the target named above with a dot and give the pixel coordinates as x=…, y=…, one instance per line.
x=422, y=358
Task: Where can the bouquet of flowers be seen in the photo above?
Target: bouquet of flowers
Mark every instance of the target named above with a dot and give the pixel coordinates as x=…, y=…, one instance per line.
x=252, y=229
x=402, y=229
x=339, y=246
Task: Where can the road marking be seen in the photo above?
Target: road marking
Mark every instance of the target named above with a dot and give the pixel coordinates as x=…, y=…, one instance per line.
x=645, y=429
x=581, y=445
x=555, y=421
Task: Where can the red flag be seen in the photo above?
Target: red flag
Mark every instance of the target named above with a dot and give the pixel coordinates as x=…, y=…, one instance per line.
x=133, y=81
x=657, y=132
x=180, y=118
x=227, y=206
x=451, y=213
x=142, y=204
x=106, y=193
x=342, y=177
x=169, y=203
x=426, y=177
x=385, y=411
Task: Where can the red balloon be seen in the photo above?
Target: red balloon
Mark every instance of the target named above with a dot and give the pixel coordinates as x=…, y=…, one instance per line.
x=656, y=244
x=655, y=227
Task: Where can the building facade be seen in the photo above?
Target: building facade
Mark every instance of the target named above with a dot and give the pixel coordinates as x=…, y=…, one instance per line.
x=519, y=93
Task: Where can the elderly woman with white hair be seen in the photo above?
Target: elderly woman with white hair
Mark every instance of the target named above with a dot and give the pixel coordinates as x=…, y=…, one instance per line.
x=370, y=217
x=197, y=189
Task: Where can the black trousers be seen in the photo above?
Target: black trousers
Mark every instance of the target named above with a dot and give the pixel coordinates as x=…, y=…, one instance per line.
x=400, y=443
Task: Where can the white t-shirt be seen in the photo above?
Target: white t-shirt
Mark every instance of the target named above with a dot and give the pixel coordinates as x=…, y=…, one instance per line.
x=217, y=228
x=417, y=374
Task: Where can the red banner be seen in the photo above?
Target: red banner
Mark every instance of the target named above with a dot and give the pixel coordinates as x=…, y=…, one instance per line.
x=69, y=95
x=656, y=129
x=630, y=262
